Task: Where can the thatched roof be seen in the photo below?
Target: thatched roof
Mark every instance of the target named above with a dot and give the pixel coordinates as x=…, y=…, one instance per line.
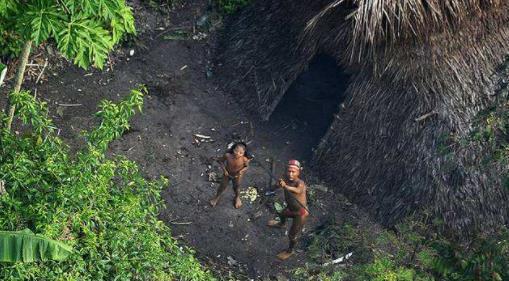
x=408, y=59
x=382, y=23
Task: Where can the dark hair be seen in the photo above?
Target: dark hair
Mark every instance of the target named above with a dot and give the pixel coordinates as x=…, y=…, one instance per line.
x=240, y=143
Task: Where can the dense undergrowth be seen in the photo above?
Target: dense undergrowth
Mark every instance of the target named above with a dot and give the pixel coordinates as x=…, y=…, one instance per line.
x=104, y=208
x=414, y=251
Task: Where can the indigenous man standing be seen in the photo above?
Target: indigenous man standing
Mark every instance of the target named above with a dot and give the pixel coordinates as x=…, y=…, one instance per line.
x=234, y=164
x=295, y=197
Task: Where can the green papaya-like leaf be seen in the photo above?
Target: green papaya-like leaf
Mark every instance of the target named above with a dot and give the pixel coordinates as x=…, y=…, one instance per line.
x=86, y=41
x=39, y=21
x=25, y=246
x=7, y=6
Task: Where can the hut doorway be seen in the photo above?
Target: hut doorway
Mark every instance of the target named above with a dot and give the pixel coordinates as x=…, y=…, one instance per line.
x=309, y=105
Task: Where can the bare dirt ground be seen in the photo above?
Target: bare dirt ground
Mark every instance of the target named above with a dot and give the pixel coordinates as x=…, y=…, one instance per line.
x=183, y=101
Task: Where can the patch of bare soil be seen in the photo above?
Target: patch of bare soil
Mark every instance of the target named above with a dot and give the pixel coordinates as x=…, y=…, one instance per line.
x=184, y=100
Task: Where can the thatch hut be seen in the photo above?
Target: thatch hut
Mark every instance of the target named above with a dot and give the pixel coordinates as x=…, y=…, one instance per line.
x=419, y=70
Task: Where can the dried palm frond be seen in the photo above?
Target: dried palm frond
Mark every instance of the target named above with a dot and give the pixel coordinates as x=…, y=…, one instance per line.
x=383, y=23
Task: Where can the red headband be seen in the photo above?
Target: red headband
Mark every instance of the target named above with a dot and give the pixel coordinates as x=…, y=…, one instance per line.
x=294, y=163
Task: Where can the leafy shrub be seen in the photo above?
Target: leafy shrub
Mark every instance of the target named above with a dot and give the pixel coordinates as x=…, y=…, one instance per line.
x=304, y=274
x=384, y=270
x=9, y=41
x=416, y=251
x=84, y=31
x=333, y=241
x=104, y=208
x=487, y=258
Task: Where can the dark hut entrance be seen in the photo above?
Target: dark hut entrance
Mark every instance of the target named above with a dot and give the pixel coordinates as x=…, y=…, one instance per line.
x=309, y=105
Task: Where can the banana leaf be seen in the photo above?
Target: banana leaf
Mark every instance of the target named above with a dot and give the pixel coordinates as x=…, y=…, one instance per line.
x=25, y=246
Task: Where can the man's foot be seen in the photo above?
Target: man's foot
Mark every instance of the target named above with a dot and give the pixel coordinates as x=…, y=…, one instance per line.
x=284, y=255
x=213, y=201
x=237, y=203
x=275, y=223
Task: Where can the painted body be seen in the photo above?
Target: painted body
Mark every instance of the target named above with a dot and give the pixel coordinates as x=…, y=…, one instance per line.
x=234, y=164
x=295, y=197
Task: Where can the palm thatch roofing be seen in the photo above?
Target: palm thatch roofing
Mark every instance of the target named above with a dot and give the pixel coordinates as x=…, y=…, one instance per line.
x=421, y=69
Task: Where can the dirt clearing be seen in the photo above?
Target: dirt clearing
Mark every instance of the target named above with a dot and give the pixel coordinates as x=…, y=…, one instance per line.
x=187, y=120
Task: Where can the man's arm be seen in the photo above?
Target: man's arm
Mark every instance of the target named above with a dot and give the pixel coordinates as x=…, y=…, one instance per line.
x=221, y=160
x=246, y=165
x=297, y=190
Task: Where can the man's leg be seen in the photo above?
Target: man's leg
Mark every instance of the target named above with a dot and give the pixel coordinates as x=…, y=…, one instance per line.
x=283, y=216
x=236, y=188
x=220, y=190
x=295, y=230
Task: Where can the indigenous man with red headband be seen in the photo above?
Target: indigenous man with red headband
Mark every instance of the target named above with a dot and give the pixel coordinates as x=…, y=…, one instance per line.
x=295, y=197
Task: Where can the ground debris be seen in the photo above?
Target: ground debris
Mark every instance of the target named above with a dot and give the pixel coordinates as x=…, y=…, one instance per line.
x=198, y=139
x=179, y=34
x=338, y=260
x=257, y=215
x=203, y=21
x=245, y=237
x=199, y=36
x=319, y=187
x=231, y=261
x=202, y=136
x=281, y=277
x=251, y=194
x=212, y=176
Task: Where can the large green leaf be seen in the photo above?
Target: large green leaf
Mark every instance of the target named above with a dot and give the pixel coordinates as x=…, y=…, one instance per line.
x=24, y=246
x=39, y=21
x=86, y=41
x=7, y=6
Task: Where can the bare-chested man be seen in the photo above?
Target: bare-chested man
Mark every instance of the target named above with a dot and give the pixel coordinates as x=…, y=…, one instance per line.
x=234, y=164
x=295, y=196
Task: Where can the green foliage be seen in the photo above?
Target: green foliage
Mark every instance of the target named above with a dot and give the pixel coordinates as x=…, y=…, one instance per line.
x=377, y=254
x=115, y=119
x=487, y=258
x=334, y=241
x=304, y=274
x=83, y=30
x=415, y=251
x=24, y=246
x=10, y=43
x=231, y=6
x=104, y=208
x=383, y=269
x=278, y=207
